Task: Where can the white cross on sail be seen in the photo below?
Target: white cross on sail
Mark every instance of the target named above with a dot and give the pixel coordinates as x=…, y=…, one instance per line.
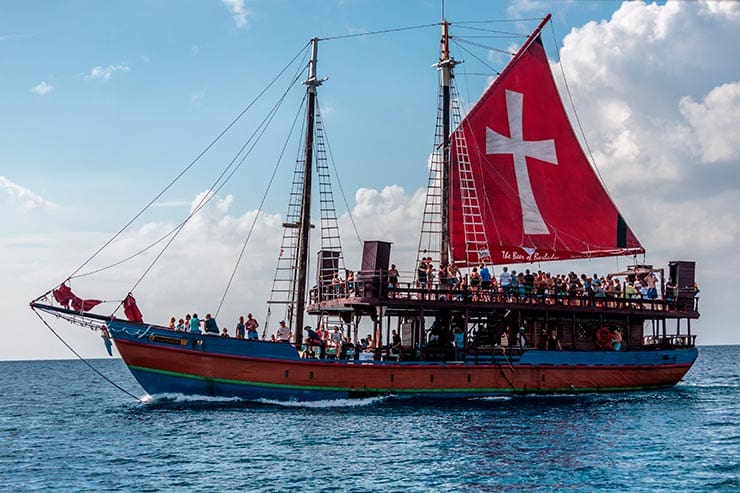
x=544, y=150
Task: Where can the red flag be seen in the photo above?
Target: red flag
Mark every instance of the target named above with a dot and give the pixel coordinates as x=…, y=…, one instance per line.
x=133, y=314
x=84, y=305
x=63, y=294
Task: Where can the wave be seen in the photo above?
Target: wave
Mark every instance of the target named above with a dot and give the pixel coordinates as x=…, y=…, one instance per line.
x=176, y=399
x=492, y=398
x=328, y=403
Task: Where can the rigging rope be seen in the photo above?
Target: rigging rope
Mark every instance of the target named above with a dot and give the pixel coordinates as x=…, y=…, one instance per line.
x=104, y=377
x=383, y=31
x=192, y=163
x=492, y=21
x=339, y=182
x=504, y=34
x=261, y=205
x=480, y=45
x=454, y=40
x=254, y=138
x=575, y=113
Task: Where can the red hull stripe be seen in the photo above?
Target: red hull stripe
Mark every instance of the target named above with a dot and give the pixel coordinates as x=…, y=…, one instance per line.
x=395, y=378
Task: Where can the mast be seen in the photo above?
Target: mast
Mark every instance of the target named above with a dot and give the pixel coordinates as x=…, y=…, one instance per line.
x=446, y=66
x=305, y=224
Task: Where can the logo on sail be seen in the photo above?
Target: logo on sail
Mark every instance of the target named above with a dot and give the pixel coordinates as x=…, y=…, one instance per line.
x=520, y=149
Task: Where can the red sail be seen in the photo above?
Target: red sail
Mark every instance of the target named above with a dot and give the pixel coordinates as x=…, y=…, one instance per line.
x=539, y=199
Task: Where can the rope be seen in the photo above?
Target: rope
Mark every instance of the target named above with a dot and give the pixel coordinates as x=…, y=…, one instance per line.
x=261, y=205
x=575, y=113
x=220, y=181
x=503, y=34
x=480, y=45
x=192, y=163
x=499, y=20
x=384, y=31
x=457, y=43
x=104, y=377
x=341, y=188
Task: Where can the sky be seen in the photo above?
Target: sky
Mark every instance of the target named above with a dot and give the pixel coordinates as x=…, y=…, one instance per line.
x=104, y=103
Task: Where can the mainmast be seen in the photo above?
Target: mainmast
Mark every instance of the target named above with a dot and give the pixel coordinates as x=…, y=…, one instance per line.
x=446, y=68
x=305, y=224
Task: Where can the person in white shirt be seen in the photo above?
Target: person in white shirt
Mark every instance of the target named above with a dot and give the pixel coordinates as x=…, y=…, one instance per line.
x=283, y=332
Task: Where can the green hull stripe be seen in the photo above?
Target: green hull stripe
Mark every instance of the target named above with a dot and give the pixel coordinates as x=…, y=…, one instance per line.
x=477, y=390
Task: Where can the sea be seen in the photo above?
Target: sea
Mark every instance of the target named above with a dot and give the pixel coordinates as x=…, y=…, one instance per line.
x=63, y=428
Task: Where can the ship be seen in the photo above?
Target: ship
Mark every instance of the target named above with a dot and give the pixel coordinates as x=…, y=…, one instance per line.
x=510, y=187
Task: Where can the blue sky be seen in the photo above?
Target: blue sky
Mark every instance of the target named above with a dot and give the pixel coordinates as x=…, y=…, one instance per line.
x=104, y=102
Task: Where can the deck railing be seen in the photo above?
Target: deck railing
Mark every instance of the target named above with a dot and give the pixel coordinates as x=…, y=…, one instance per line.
x=370, y=284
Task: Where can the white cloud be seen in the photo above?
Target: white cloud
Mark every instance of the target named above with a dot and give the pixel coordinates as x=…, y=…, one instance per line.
x=238, y=12
x=197, y=97
x=648, y=82
x=42, y=88
x=519, y=7
x=657, y=92
x=23, y=198
x=105, y=73
x=716, y=121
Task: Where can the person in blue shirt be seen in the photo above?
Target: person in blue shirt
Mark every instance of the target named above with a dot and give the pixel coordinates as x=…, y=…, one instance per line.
x=239, y=330
x=459, y=340
x=485, y=276
x=195, y=324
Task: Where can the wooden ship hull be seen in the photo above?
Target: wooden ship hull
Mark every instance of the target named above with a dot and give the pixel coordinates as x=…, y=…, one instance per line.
x=180, y=363
x=165, y=361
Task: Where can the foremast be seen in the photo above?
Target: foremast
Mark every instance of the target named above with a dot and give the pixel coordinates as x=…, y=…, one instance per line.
x=446, y=67
x=304, y=227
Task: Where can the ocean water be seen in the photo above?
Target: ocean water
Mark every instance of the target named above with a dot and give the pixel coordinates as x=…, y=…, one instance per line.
x=64, y=429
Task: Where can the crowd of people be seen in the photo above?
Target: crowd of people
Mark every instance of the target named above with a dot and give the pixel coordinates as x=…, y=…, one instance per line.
x=335, y=344
x=244, y=329
x=528, y=286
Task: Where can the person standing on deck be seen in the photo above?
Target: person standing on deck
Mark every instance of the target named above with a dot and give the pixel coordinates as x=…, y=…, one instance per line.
x=485, y=276
x=210, y=325
x=421, y=276
x=283, y=332
x=459, y=339
x=393, y=279
x=505, y=281
x=553, y=342
x=617, y=339
x=521, y=339
x=395, y=343
x=239, y=330
x=251, y=324
x=194, y=324
x=652, y=290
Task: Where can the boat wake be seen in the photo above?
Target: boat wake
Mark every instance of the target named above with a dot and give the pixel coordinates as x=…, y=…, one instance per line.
x=492, y=398
x=175, y=399
x=328, y=403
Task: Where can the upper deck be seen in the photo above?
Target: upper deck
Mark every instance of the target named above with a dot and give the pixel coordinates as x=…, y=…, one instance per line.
x=368, y=293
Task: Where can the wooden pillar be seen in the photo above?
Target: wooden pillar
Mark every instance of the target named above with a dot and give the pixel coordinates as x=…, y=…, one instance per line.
x=628, y=333
x=465, y=329
x=573, y=330
x=688, y=323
